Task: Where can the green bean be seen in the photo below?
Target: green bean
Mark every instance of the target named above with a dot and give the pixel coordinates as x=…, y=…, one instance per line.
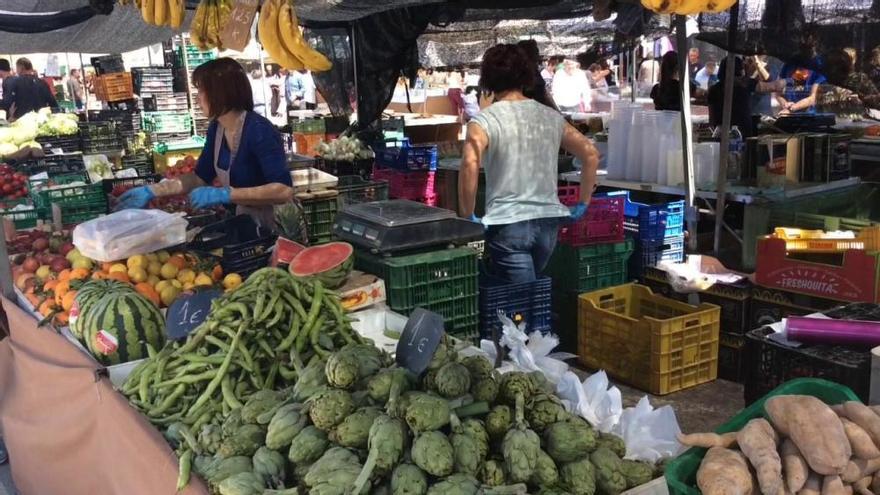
x=228, y=394
x=167, y=420
x=134, y=378
x=228, y=331
x=315, y=334
x=189, y=368
x=273, y=304
x=168, y=401
x=261, y=342
x=204, y=418
x=195, y=358
x=291, y=335
x=258, y=307
x=230, y=308
x=288, y=374
x=221, y=372
x=279, y=314
x=151, y=351
x=219, y=343
x=143, y=389
x=190, y=439
x=188, y=379
x=296, y=305
x=269, y=383
x=184, y=467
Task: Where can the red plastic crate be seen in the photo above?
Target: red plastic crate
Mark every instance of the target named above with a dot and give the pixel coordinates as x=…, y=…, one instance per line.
x=415, y=186
x=602, y=224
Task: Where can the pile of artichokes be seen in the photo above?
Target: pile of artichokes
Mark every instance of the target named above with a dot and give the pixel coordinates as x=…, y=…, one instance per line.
x=355, y=423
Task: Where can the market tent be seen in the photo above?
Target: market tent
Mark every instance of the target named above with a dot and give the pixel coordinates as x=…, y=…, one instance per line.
x=352, y=10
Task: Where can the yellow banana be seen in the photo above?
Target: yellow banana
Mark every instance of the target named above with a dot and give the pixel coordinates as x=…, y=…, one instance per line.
x=293, y=41
x=147, y=11
x=197, y=28
x=177, y=11
x=718, y=6
x=160, y=17
x=690, y=7
x=268, y=34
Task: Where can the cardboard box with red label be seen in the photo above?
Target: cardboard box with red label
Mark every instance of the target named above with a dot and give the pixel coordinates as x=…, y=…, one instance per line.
x=361, y=290
x=855, y=280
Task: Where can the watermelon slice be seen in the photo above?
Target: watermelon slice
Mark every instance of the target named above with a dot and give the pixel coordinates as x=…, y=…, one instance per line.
x=330, y=263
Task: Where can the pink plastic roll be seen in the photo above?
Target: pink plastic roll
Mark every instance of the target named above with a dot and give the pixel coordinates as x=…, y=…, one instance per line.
x=825, y=331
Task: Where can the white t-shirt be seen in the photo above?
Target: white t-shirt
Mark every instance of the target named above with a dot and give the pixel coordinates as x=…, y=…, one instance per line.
x=571, y=90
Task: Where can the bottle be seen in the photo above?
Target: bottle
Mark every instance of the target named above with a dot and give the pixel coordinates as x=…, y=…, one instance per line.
x=735, y=154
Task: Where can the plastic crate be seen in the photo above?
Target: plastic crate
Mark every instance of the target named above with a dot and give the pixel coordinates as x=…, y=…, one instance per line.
x=67, y=144
x=681, y=472
x=829, y=222
x=354, y=190
x=656, y=344
x=240, y=238
x=818, y=241
x=128, y=182
x=307, y=143
x=54, y=165
x=167, y=122
x=360, y=168
x=648, y=254
x=99, y=145
x=415, y=186
x=603, y=222
x=141, y=163
x=114, y=87
x=588, y=268
x=564, y=305
x=527, y=302
x=445, y=282
x=407, y=157
x=771, y=305
x=74, y=195
x=320, y=214
x=652, y=222
x=75, y=213
x=22, y=218
x=730, y=357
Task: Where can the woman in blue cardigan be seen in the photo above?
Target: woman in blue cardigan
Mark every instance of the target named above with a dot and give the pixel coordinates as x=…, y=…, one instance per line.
x=243, y=151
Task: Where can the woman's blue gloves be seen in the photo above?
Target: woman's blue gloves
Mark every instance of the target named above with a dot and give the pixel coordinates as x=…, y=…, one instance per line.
x=206, y=197
x=577, y=211
x=135, y=198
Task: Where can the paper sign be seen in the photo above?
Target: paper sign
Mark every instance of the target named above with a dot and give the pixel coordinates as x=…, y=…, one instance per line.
x=188, y=311
x=419, y=340
x=237, y=31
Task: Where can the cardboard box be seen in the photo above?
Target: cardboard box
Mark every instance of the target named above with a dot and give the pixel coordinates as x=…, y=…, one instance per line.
x=778, y=160
x=362, y=290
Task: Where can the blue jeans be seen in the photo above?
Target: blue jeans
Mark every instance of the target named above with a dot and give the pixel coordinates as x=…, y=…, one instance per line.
x=519, y=252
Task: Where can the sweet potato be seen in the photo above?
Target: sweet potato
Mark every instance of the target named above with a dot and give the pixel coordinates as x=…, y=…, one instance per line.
x=862, y=445
x=725, y=472
x=758, y=441
x=813, y=486
x=863, y=416
x=793, y=465
x=862, y=486
x=857, y=469
x=814, y=428
x=832, y=485
x=708, y=440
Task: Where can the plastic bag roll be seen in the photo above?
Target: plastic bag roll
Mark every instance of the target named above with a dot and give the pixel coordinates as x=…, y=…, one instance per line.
x=826, y=331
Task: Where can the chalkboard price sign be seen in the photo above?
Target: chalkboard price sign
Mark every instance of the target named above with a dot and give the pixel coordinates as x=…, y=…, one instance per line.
x=419, y=340
x=237, y=31
x=188, y=311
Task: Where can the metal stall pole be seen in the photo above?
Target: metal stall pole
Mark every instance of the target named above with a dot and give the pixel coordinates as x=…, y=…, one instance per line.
x=729, y=76
x=687, y=131
x=633, y=84
x=82, y=68
x=354, y=63
x=267, y=104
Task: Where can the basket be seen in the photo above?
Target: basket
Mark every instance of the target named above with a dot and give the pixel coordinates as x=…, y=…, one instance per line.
x=730, y=357
x=603, y=222
x=527, y=302
x=142, y=164
x=648, y=254
x=408, y=157
x=652, y=222
x=114, y=87
x=681, y=472
x=588, y=268
x=656, y=344
x=354, y=190
x=818, y=241
x=320, y=214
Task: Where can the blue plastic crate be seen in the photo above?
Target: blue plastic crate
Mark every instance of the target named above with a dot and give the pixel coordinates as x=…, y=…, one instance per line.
x=652, y=222
x=649, y=253
x=529, y=302
x=406, y=157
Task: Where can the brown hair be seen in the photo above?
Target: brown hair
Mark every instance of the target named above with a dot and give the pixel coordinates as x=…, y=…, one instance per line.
x=506, y=67
x=24, y=64
x=225, y=85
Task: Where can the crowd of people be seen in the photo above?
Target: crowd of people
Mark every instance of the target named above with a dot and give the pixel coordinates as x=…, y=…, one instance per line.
x=276, y=91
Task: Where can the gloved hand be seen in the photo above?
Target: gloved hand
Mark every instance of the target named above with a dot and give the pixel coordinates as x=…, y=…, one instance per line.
x=475, y=219
x=135, y=198
x=206, y=197
x=577, y=211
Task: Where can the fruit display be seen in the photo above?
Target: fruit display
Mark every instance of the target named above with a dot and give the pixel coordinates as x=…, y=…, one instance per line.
x=23, y=132
x=345, y=148
x=687, y=7
x=160, y=12
x=803, y=446
x=185, y=165
x=206, y=24
x=13, y=185
x=282, y=38
x=329, y=263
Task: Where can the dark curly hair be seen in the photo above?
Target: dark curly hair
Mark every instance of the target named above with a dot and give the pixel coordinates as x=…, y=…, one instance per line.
x=506, y=67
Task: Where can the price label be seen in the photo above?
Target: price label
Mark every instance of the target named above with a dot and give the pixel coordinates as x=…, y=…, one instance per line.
x=237, y=31
x=419, y=340
x=188, y=311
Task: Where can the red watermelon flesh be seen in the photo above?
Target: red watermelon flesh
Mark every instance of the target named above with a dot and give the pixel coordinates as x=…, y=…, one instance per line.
x=330, y=263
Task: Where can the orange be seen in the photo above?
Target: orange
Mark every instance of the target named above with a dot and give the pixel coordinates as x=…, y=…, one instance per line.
x=61, y=290
x=217, y=273
x=120, y=276
x=147, y=290
x=50, y=285
x=99, y=275
x=46, y=307
x=33, y=299
x=62, y=318
x=64, y=274
x=178, y=260
x=79, y=274
x=67, y=300
x=105, y=266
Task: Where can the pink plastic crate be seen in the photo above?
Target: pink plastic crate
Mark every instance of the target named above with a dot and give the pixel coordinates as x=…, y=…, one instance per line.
x=382, y=173
x=415, y=186
x=602, y=224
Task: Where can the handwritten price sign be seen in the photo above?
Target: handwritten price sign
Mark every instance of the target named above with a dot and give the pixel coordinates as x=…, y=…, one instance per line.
x=237, y=31
x=419, y=340
x=188, y=311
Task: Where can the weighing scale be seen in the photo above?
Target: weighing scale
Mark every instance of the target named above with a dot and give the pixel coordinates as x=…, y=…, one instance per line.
x=400, y=225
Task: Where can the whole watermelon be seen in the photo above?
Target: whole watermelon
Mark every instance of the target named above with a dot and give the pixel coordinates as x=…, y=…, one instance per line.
x=87, y=296
x=118, y=326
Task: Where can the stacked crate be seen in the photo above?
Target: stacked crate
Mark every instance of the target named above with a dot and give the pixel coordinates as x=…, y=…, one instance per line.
x=658, y=232
x=409, y=169
x=190, y=57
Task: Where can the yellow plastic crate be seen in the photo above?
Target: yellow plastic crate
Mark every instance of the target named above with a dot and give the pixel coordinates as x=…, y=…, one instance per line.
x=656, y=344
x=819, y=241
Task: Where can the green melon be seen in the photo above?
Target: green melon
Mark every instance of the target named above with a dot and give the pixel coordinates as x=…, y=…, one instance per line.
x=330, y=263
x=119, y=325
x=87, y=295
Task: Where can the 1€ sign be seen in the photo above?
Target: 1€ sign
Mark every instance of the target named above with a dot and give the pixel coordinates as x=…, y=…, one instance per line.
x=419, y=340
x=188, y=311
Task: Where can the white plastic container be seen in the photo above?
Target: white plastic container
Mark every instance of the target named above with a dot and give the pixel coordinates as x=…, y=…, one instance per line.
x=379, y=324
x=312, y=179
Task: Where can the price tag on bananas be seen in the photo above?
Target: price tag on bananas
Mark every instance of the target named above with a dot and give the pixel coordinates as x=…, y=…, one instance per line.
x=189, y=311
x=237, y=31
x=419, y=340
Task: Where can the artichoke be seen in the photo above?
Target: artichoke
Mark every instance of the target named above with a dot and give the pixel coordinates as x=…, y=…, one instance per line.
x=578, y=477
x=379, y=386
x=341, y=369
x=545, y=473
x=210, y=437
x=429, y=381
x=215, y=470
x=329, y=407
x=259, y=403
x=478, y=366
x=544, y=410
x=232, y=423
x=475, y=428
x=613, y=442
x=609, y=475
x=457, y=484
x=335, y=458
x=370, y=358
x=397, y=404
x=387, y=443
x=285, y=424
x=408, y=479
x=485, y=389
x=432, y=452
x=492, y=473
x=636, y=473
x=245, y=441
x=354, y=431
x=246, y=483
x=467, y=451
x=515, y=383
x=337, y=482
x=269, y=465
x=307, y=446
x=427, y=412
x=540, y=383
x=498, y=422
x=289, y=491
x=452, y=380
x=568, y=441
x=310, y=381
x=552, y=491
x=444, y=353
x=520, y=448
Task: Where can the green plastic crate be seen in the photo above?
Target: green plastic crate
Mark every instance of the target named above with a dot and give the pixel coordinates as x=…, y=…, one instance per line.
x=681, y=472
x=320, y=215
x=589, y=268
x=69, y=195
x=74, y=214
x=23, y=219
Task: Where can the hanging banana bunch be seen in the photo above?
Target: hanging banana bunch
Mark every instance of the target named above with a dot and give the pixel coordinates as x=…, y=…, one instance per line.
x=160, y=12
x=282, y=38
x=206, y=25
x=687, y=7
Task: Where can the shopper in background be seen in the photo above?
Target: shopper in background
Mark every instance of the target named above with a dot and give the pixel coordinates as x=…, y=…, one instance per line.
x=874, y=66
x=667, y=93
x=571, y=89
x=517, y=140
x=745, y=85
x=550, y=69
x=756, y=68
x=801, y=91
x=707, y=76
x=243, y=151
x=5, y=74
x=25, y=92
x=301, y=88
x=75, y=91
x=455, y=79
x=649, y=75
x=694, y=65
x=471, y=102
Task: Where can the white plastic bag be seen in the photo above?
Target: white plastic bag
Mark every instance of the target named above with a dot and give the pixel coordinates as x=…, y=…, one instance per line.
x=650, y=434
x=592, y=400
x=129, y=232
x=697, y=273
x=532, y=352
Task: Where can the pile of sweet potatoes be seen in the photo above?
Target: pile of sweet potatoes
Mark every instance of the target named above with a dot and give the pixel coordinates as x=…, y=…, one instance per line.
x=803, y=447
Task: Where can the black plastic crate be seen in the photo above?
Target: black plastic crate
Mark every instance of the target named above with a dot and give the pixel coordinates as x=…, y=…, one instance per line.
x=360, y=168
x=239, y=237
x=354, y=190
x=565, y=319
x=67, y=144
x=98, y=145
x=128, y=182
x=730, y=356
x=527, y=302
x=771, y=305
x=248, y=266
x=108, y=64
x=54, y=165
